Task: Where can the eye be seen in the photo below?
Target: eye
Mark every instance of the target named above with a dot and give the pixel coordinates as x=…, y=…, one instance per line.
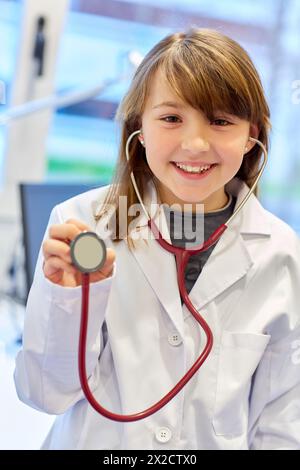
x=221, y=122
x=170, y=119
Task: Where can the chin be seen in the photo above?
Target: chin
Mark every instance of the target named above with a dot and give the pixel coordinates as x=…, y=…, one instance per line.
x=193, y=194
x=191, y=198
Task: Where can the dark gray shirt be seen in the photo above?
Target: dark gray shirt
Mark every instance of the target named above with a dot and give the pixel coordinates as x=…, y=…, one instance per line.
x=189, y=229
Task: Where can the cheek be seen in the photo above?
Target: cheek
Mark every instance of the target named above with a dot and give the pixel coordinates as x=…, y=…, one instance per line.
x=159, y=152
x=157, y=162
x=234, y=143
x=231, y=152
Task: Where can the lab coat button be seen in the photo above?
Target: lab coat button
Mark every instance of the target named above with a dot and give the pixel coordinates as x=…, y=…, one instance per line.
x=174, y=339
x=163, y=435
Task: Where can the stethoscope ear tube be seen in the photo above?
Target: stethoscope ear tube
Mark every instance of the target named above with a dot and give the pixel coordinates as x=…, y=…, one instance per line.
x=258, y=177
x=182, y=256
x=237, y=209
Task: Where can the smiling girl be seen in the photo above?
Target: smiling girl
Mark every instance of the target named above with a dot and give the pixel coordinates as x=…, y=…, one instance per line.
x=194, y=103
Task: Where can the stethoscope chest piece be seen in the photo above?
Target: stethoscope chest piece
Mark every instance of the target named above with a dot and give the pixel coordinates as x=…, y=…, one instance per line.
x=88, y=252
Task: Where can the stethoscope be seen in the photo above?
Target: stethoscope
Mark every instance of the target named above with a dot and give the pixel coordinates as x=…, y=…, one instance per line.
x=88, y=253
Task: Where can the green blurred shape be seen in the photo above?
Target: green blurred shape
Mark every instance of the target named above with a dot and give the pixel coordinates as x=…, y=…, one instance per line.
x=281, y=189
x=58, y=166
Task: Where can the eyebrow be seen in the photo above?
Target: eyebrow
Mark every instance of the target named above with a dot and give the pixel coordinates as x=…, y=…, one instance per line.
x=170, y=104
x=173, y=104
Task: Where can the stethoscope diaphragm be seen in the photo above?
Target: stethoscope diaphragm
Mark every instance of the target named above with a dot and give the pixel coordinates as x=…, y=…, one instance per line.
x=88, y=252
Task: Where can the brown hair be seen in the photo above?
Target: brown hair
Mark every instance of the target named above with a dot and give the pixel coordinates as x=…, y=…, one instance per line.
x=208, y=71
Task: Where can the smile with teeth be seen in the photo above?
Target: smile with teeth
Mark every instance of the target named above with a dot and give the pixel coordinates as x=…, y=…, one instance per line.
x=193, y=169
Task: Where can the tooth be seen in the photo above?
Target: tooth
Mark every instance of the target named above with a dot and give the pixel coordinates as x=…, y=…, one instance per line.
x=191, y=169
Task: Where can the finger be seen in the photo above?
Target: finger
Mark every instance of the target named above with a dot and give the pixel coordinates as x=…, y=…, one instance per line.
x=108, y=265
x=80, y=225
x=64, y=231
x=110, y=256
x=106, y=269
x=56, y=248
x=54, y=264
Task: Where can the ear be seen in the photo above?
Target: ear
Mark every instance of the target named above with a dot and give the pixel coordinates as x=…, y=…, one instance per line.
x=253, y=132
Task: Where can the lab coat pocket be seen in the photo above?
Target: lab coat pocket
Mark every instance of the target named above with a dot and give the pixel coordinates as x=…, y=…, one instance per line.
x=239, y=356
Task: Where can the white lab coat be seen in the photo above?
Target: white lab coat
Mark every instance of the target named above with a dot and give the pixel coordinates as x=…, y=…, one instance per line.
x=141, y=341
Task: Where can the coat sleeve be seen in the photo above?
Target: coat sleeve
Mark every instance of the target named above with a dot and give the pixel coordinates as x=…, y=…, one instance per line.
x=46, y=373
x=274, y=407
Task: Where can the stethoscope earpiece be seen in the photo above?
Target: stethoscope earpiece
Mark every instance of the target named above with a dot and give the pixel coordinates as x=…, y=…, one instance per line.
x=141, y=138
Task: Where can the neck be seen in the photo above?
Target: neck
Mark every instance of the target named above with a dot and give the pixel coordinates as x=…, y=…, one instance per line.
x=213, y=203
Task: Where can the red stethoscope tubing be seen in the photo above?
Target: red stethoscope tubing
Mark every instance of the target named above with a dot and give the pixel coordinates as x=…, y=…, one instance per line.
x=182, y=256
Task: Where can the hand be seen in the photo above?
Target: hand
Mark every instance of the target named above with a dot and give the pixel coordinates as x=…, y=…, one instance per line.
x=58, y=267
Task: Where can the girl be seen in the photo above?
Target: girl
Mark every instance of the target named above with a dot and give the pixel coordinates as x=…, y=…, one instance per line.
x=197, y=100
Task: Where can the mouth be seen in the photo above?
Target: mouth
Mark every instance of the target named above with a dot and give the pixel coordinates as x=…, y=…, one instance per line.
x=193, y=171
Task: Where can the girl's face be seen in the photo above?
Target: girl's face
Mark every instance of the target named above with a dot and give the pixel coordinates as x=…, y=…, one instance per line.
x=175, y=133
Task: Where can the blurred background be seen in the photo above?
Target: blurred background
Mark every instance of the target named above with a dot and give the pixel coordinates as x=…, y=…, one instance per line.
x=64, y=66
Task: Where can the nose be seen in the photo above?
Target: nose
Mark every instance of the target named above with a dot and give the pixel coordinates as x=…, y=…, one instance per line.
x=195, y=145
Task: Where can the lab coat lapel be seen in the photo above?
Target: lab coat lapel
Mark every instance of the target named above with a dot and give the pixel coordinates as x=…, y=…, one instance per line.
x=231, y=259
x=229, y=262
x=159, y=265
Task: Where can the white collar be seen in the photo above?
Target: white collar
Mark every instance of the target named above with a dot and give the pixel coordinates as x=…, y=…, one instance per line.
x=251, y=219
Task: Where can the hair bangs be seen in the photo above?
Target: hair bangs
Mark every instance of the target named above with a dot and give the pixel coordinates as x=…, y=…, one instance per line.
x=210, y=90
